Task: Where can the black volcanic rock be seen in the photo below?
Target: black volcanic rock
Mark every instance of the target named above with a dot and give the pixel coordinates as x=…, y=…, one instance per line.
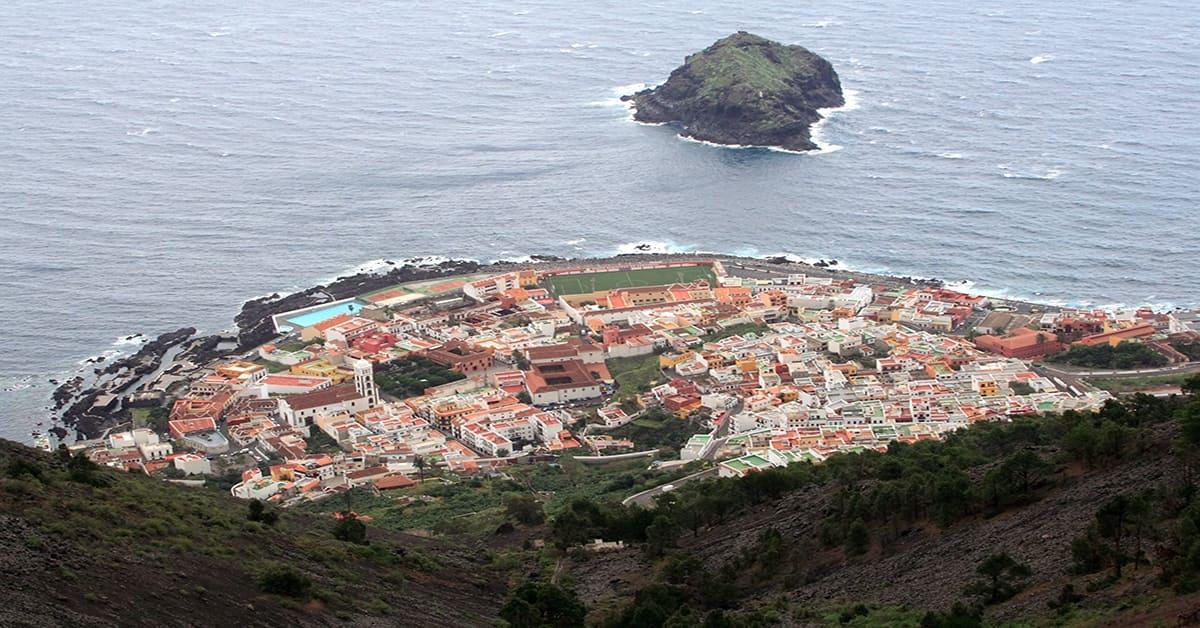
x=745, y=90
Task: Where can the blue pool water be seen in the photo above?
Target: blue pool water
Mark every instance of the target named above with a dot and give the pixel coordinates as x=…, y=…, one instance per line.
x=316, y=316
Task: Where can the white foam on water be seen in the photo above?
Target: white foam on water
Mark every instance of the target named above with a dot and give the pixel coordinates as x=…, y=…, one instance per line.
x=800, y=259
x=950, y=155
x=1049, y=175
x=515, y=259
x=133, y=340
x=382, y=266
x=817, y=134
x=499, y=34
x=576, y=242
x=1039, y=59
x=652, y=247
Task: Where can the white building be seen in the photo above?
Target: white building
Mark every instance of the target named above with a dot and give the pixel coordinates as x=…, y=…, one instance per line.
x=193, y=464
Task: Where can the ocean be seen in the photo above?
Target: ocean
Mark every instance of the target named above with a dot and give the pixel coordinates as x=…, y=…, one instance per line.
x=162, y=162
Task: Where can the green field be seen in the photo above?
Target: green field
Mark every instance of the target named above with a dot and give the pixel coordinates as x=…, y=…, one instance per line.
x=591, y=282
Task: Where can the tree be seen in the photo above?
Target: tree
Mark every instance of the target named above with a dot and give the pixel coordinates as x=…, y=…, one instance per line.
x=519, y=360
x=961, y=616
x=857, y=538
x=350, y=528
x=1014, y=480
x=1122, y=517
x=660, y=534
x=1001, y=578
x=525, y=509
x=257, y=511
x=543, y=605
x=420, y=463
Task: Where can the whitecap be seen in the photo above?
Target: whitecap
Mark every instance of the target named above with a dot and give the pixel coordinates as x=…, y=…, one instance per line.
x=515, y=259
x=651, y=247
x=132, y=340
x=950, y=155
x=1039, y=59
x=1050, y=174
x=502, y=34
x=576, y=241
x=817, y=133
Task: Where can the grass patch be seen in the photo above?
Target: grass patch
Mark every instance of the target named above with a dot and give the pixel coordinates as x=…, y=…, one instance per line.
x=412, y=375
x=1134, y=384
x=583, y=283
x=659, y=430
x=635, y=375
x=741, y=329
x=1127, y=355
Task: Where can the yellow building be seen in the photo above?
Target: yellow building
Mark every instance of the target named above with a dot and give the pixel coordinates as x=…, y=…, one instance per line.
x=322, y=368
x=241, y=370
x=666, y=361
x=747, y=365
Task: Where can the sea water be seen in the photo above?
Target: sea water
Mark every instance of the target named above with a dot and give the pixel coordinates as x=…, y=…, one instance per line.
x=160, y=163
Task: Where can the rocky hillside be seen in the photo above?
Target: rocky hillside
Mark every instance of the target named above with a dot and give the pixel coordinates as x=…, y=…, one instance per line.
x=82, y=546
x=1087, y=520
x=745, y=90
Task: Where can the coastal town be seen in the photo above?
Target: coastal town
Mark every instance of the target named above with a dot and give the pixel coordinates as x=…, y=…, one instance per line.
x=750, y=365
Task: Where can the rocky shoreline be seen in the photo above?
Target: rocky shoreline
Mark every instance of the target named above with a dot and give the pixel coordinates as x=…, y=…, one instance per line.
x=79, y=401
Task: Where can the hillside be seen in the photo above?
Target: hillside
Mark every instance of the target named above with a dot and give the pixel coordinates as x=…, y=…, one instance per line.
x=745, y=90
x=1100, y=510
x=88, y=547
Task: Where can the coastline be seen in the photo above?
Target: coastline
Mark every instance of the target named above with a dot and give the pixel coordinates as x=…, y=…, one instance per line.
x=78, y=401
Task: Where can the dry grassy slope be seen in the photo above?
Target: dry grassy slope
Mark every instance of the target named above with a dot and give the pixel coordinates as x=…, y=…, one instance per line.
x=926, y=567
x=141, y=552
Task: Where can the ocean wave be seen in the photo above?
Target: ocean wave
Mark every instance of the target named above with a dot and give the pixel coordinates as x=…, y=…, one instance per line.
x=576, y=241
x=383, y=266
x=825, y=23
x=950, y=155
x=1039, y=59
x=615, y=100
x=1049, y=175
x=132, y=340
x=817, y=134
x=514, y=259
x=653, y=247
x=16, y=383
x=831, y=264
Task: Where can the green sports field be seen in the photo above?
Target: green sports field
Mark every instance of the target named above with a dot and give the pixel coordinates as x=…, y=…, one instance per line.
x=592, y=282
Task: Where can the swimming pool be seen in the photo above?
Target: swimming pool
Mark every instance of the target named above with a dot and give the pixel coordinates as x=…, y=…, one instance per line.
x=312, y=318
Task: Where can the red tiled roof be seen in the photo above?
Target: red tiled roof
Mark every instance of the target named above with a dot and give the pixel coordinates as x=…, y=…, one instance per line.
x=329, y=396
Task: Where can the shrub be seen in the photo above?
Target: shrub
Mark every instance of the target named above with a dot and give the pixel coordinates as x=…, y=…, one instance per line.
x=284, y=580
x=351, y=529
